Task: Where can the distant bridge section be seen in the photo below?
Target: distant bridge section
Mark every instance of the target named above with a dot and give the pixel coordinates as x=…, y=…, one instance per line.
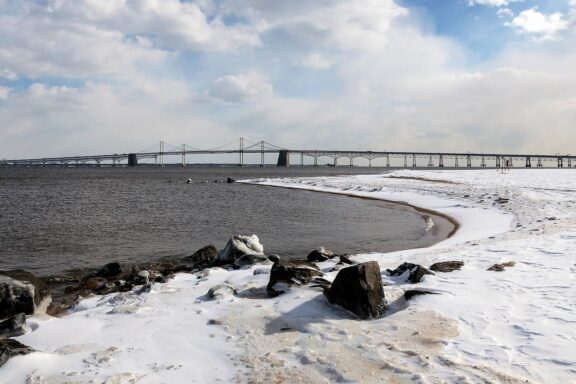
x=288, y=157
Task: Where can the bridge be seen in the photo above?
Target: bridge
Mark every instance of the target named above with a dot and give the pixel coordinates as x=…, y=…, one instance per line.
x=289, y=157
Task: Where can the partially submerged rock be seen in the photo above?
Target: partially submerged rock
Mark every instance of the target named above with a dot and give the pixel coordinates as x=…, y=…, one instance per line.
x=319, y=255
x=205, y=257
x=417, y=292
x=286, y=273
x=10, y=348
x=13, y=326
x=238, y=246
x=359, y=289
x=502, y=266
x=20, y=292
x=415, y=272
x=447, y=266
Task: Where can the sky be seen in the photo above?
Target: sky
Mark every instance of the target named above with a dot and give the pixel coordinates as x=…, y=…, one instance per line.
x=82, y=77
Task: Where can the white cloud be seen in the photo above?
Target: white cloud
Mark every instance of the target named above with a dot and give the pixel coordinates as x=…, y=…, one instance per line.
x=544, y=27
x=315, y=61
x=493, y=3
x=239, y=88
x=504, y=12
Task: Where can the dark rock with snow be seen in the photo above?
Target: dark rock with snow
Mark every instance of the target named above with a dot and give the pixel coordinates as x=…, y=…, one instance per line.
x=345, y=260
x=13, y=326
x=238, y=246
x=230, y=180
x=359, y=289
x=10, y=348
x=109, y=270
x=248, y=260
x=60, y=306
x=20, y=292
x=205, y=257
x=319, y=255
x=416, y=272
x=285, y=273
x=274, y=258
x=221, y=291
x=502, y=266
x=447, y=266
x=416, y=292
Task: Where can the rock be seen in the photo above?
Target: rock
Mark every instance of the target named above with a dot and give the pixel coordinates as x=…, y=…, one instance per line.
x=20, y=292
x=290, y=272
x=261, y=271
x=447, y=266
x=110, y=270
x=416, y=272
x=502, y=200
x=359, y=289
x=274, y=258
x=205, y=257
x=215, y=322
x=60, y=307
x=230, y=180
x=239, y=246
x=346, y=260
x=142, y=277
x=221, y=291
x=13, y=326
x=10, y=348
x=319, y=255
x=416, y=292
x=500, y=267
x=247, y=260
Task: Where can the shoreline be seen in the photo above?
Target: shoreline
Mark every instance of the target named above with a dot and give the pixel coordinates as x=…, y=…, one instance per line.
x=480, y=326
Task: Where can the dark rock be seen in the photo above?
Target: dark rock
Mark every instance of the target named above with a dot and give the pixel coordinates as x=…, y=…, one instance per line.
x=502, y=200
x=238, y=246
x=248, y=260
x=415, y=292
x=13, y=326
x=319, y=255
x=10, y=348
x=230, y=180
x=417, y=272
x=110, y=270
x=214, y=322
x=62, y=305
x=447, y=266
x=359, y=289
x=20, y=292
x=500, y=267
x=205, y=257
x=291, y=272
x=346, y=260
x=274, y=258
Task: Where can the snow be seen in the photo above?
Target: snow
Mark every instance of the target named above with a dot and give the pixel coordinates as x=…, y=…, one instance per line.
x=514, y=326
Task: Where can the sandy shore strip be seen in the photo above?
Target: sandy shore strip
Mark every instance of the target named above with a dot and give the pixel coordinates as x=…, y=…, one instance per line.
x=514, y=326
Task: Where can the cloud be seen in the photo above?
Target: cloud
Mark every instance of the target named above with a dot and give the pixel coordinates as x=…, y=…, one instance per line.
x=505, y=12
x=315, y=61
x=4, y=92
x=493, y=3
x=542, y=26
x=239, y=88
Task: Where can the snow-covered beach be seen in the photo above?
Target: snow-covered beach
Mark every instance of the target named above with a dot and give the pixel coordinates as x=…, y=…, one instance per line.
x=513, y=326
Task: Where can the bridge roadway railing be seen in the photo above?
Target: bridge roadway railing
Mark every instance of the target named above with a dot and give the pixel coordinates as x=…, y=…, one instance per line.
x=408, y=159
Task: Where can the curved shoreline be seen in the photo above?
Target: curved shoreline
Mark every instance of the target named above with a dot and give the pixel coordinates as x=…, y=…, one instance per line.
x=445, y=226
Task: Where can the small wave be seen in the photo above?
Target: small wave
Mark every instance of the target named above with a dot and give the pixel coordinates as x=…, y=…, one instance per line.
x=429, y=223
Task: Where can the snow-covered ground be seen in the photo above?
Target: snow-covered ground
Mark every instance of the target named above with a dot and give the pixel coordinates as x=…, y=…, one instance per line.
x=514, y=326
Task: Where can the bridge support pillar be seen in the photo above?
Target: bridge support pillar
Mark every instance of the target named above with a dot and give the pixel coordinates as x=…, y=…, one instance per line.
x=414, y=161
x=560, y=162
x=132, y=160
x=569, y=162
x=483, y=162
x=455, y=161
x=469, y=161
x=315, y=161
x=498, y=163
x=335, y=161
x=539, y=164
x=351, y=161
x=528, y=162
x=302, y=159
x=388, y=161
x=441, y=161
x=284, y=159
x=430, y=162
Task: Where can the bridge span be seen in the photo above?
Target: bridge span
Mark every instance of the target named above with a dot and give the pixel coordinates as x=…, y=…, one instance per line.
x=296, y=157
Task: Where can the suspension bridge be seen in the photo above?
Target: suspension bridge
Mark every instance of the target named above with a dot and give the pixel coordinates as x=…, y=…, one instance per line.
x=299, y=157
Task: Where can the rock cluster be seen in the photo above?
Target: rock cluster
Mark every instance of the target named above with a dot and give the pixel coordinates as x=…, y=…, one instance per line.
x=20, y=292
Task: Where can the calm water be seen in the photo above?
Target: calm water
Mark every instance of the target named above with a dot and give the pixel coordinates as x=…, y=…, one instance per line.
x=54, y=219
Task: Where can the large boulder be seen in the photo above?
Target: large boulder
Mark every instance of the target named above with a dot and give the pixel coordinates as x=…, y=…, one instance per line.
x=359, y=289
x=286, y=273
x=10, y=348
x=238, y=246
x=413, y=272
x=109, y=270
x=203, y=258
x=13, y=326
x=20, y=292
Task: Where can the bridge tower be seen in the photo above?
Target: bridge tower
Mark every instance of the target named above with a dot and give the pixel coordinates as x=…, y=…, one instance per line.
x=161, y=156
x=284, y=159
x=262, y=153
x=241, y=152
x=132, y=160
x=183, y=155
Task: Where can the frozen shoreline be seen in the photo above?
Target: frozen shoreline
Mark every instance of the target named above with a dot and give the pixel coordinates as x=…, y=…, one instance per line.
x=510, y=326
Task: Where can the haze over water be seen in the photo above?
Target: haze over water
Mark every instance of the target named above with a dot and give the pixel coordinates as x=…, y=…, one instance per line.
x=54, y=219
